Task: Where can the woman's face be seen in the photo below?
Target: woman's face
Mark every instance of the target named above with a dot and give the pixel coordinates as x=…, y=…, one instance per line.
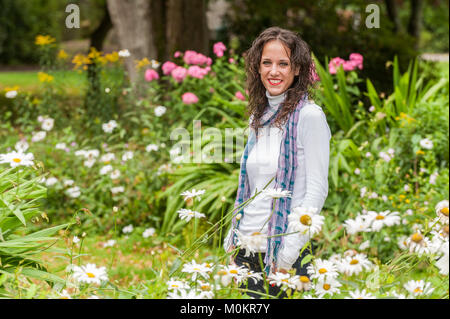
x=275, y=68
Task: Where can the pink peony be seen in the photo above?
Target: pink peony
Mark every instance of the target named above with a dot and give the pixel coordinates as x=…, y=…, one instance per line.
x=239, y=96
x=197, y=72
x=179, y=73
x=151, y=75
x=168, y=67
x=219, y=48
x=177, y=54
x=189, y=98
x=334, y=64
x=349, y=66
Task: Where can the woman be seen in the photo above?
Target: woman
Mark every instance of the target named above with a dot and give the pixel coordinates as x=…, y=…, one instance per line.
x=288, y=144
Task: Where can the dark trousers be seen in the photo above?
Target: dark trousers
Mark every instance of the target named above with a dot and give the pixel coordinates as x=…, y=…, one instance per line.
x=253, y=263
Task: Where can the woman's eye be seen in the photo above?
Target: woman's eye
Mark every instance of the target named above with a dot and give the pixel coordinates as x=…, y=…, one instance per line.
x=283, y=64
x=266, y=62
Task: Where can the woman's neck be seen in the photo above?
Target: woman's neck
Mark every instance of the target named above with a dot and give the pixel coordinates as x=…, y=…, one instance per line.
x=275, y=101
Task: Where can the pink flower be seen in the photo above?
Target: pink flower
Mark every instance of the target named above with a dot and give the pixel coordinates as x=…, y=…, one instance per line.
x=168, y=67
x=315, y=77
x=179, y=73
x=197, y=72
x=151, y=75
x=231, y=61
x=349, y=65
x=239, y=96
x=357, y=60
x=189, y=98
x=192, y=57
x=219, y=48
x=177, y=54
x=334, y=64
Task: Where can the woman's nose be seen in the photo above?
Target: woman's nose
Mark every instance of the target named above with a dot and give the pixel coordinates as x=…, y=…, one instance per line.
x=274, y=69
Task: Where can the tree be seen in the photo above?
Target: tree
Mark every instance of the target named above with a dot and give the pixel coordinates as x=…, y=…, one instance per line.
x=156, y=28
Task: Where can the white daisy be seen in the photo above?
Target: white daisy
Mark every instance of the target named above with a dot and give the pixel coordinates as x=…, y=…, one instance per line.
x=51, y=181
x=38, y=136
x=15, y=159
x=250, y=243
x=160, y=110
x=275, y=193
x=184, y=294
x=107, y=158
x=196, y=270
x=151, y=147
x=301, y=283
x=90, y=162
x=127, y=156
x=418, y=288
x=11, y=94
x=359, y=224
x=73, y=192
x=175, y=285
x=21, y=146
x=187, y=214
x=90, y=274
x=328, y=286
x=109, y=126
x=115, y=174
x=353, y=265
x=357, y=294
x=148, y=232
x=109, y=243
x=305, y=220
x=124, y=53
x=117, y=189
x=426, y=143
x=106, y=169
x=60, y=146
x=443, y=262
x=47, y=124
x=418, y=243
x=381, y=219
x=193, y=194
x=128, y=229
x=68, y=182
x=322, y=269
x=280, y=279
x=441, y=209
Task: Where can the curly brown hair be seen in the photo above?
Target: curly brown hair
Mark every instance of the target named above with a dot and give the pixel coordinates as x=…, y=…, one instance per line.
x=300, y=58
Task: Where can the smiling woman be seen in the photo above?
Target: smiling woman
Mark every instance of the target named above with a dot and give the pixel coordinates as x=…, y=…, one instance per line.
x=288, y=150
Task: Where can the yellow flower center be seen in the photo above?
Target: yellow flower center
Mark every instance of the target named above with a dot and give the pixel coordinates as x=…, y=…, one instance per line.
x=233, y=271
x=446, y=229
x=445, y=211
x=17, y=160
x=379, y=217
x=326, y=286
x=418, y=290
x=322, y=271
x=196, y=269
x=205, y=288
x=90, y=275
x=284, y=280
x=305, y=220
x=256, y=234
x=354, y=261
x=221, y=272
x=417, y=238
x=304, y=279
x=175, y=286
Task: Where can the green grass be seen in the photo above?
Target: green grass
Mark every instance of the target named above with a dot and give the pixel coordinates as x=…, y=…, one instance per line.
x=72, y=82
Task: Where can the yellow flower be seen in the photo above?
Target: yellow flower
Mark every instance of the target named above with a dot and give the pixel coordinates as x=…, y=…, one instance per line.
x=14, y=88
x=79, y=60
x=112, y=57
x=140, y=64
x=44, y=77
x=420, y=152
x=62, y=55
x=44, y=40
x=94, y=55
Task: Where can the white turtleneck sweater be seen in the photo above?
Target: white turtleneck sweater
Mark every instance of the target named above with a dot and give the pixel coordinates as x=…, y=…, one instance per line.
x=311, y=181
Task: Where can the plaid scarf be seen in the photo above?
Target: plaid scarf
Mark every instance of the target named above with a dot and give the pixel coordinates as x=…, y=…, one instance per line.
x=284, y=179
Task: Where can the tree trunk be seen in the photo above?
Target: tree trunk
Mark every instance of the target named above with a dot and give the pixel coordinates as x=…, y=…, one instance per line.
x=132, y=20
x=415, y=20
x=186, y=26
x=99, y=35
x=391, y=7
